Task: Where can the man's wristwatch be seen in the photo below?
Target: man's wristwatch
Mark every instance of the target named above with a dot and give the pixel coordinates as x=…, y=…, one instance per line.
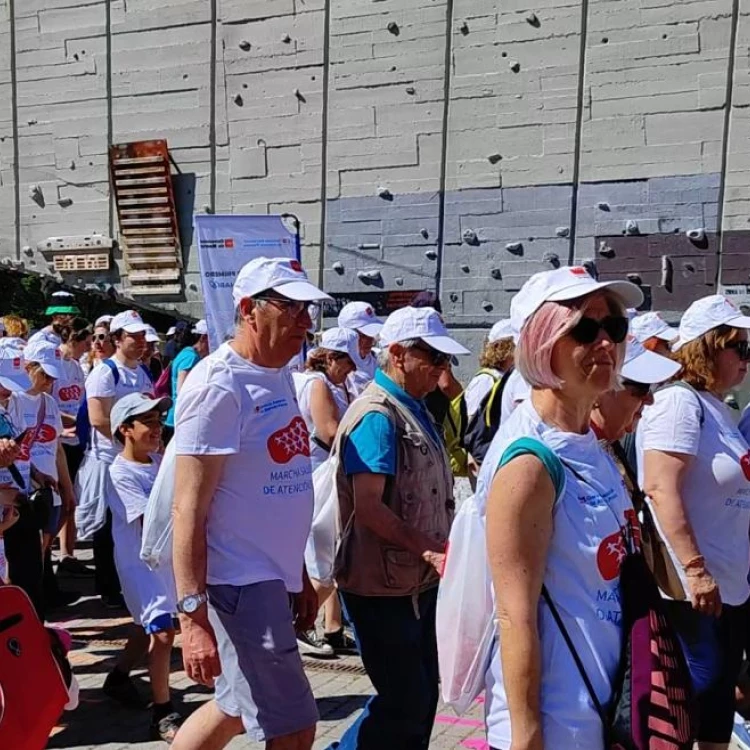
x=190, y=603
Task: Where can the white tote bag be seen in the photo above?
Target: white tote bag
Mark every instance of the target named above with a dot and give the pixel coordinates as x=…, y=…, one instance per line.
x=320, y=552
x=466, y=618
x=156, y=544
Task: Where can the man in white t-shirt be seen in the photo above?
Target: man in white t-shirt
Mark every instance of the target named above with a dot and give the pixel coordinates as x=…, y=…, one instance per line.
x=360, y=317
x=243, y=510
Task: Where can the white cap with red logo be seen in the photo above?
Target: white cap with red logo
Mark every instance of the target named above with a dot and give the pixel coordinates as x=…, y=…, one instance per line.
x=13, y=376
x=342, y=340
x=423, y=323
x=129, y=321
x=282, y=275
x=360, y=316
x=651, y=325
x=46, y=355
x=643, y=366
x=501, y=330
x=561, y=285
x=708, y=313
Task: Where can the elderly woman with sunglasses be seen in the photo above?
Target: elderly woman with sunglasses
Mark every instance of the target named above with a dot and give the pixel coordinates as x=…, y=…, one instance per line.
x=555, y=512
x=695, y=469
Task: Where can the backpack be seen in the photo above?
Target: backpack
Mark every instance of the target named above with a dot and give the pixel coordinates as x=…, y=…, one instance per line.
x=33, y=683
x=484, y=423
x=163, y=385
x=83, y=422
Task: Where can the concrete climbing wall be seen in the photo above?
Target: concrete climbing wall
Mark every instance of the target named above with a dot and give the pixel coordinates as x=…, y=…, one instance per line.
x=452, y=145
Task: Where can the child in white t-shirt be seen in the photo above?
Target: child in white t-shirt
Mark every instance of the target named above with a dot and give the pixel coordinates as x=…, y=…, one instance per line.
x=137, y=422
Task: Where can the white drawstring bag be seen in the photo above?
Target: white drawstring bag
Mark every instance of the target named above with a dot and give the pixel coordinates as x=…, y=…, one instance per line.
x=156, y=544
x=466, y=619
x=320, y=552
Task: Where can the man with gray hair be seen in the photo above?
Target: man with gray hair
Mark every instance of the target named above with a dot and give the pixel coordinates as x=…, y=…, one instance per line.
x=395, y=492
x=242, y=514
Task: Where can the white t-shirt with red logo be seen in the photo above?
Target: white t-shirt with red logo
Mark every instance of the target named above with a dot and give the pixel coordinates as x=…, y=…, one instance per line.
x=68, y=391
x=716, y=486
x=14, y=424
x=261, y=512
x=44, y=448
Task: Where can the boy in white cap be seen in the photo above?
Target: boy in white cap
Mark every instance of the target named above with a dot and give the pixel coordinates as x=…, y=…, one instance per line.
x=360, y=317
x=136, y=423
x=243, y=511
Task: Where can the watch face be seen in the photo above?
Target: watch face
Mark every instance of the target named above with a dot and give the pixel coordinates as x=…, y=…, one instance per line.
x=190, y=604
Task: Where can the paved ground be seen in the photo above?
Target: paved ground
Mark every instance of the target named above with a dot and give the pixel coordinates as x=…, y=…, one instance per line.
x=341, y=688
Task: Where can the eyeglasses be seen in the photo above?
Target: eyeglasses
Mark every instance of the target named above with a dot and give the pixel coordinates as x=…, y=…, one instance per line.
x=100, y=337
x=291, y=307
x=438, y=359
x=586, y=331
x=638, y=390
x=742, y=348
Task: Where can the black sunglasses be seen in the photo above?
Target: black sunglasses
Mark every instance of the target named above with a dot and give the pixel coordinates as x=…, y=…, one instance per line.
x=742, y=348
x=586, y=331
x=639, y=390
x=439, y=359
x=100, y=337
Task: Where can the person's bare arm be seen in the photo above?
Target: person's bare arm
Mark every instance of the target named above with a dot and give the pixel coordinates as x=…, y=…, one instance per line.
x=99, y=410
x=196, y=479
x=664, y=476
x=381, y=520
x=325, y=415
x=64, y=484
x=519, y=529
x=181, y=378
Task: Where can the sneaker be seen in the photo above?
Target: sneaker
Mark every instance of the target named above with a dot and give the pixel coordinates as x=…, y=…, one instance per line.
x=341, y=642
x=63, y=598
x=124, y=691
x=741, y=733
x=113, y=601
x=310, y=644
x=166, y=728
x=74, y=568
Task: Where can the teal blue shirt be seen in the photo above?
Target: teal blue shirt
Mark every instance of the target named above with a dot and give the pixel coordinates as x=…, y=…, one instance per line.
x=371, y=447
x=185, y=361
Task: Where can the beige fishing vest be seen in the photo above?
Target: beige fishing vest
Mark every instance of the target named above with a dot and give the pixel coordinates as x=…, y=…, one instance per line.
x=421, y=494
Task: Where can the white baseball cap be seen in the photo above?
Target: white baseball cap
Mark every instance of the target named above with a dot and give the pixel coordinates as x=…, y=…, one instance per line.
x=201, y=327
x=651, y=325
x=13, y=377
x=46, y=355
x=282, y=275
x=360, y=316
x=103, y=320
x=422, y=323
x=501, y=330
x=343, y=340
x=708, y=313
x=134, y=404
x=151, y=335
x=171, y=331
x=643, y=366
x=129, y=321
x=561, y=285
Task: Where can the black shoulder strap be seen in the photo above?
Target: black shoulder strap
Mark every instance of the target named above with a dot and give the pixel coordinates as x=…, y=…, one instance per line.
x=494, y=407
x=576, y=658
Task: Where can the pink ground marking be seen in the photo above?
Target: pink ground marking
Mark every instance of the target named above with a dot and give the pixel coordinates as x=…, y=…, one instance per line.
x=457, y=721
x=475, y=744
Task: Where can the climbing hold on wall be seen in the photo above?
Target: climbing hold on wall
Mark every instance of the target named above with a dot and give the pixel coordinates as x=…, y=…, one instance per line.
x=496, y=274
x=299, y=95
x=245, y=45
x=193, y=287
x=605, y=250
x=399, y=281
x=464, y=28
x=393, y=28
x=603, y=206
x=696, y=235
x=338, y=266
x=533, y=20
x=72, y=165
x=28, y=249
x=470, y=237
x=423, y=231
x=494, y=158
x=36, y=194
x=431, y=254
x=411, y=90
x=465, y=268
x=385, y=193
x=368, y=277
x=591, y=268
x=634, y=278
x=65, y=202
x=515, y=66
x=552, y=258
x=562, y=231
x=666, y=272
x=487, y=305
x=515, y=247
x=453, y=296
x=238, y=100
x=631, y=227
x=207, y=209
x=286, y=38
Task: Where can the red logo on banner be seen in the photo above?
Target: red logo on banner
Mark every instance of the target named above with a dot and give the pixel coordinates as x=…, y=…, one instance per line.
x=290, y=441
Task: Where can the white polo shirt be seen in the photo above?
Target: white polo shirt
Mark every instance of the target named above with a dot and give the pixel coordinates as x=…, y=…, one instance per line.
x=260, y=516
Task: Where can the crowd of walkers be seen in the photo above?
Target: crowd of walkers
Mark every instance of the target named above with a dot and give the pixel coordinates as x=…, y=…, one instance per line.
x=588, y=430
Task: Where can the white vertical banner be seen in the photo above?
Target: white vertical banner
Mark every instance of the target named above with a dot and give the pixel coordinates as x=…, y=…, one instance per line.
x=225, y=243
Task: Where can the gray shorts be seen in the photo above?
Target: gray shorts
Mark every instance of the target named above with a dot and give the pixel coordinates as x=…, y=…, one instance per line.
x=262, y=679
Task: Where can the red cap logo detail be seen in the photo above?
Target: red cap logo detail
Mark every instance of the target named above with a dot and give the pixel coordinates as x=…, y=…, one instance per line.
x=579, y=271
x=290, y=441
x=369, y=311
x=295, y=265
x=610, y=556
x=17, y=363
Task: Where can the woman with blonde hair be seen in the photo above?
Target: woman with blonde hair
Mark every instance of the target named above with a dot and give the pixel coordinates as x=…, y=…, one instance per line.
x=16, y=331
x=694, y=465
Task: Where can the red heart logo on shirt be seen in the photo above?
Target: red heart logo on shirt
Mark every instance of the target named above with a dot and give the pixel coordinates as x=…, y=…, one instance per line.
x=610, y=556
x=71, y=393
x=745, y=464
x=290, y=441
x=46, y=434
